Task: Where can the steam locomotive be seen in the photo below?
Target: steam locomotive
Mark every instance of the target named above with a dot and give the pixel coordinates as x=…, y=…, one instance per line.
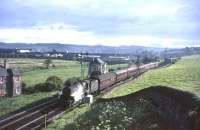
x=76, y=93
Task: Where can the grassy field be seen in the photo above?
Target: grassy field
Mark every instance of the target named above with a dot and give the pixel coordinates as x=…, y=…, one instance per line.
x=116, y=66
x=33, y=71
x=184, y=75
x=67, y=70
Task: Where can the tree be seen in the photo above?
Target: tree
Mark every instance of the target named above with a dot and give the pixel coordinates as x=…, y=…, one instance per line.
x=41, y=87
x=54, y=83
x=47, y=63
x=138, y=61
x=111, y=70
x=72, y=81
x=95, y=74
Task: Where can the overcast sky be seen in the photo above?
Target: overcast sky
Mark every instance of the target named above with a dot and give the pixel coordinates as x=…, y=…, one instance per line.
x=160, y=23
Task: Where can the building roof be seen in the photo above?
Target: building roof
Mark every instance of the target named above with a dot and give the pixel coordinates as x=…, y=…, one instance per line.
x=98, y=61
x=3, y=72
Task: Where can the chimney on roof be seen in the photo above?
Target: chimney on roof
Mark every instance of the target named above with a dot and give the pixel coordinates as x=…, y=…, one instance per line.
x=6, y=66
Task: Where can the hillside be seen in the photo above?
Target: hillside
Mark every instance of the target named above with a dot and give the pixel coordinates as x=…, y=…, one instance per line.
x=184, y=75
x=78, y=48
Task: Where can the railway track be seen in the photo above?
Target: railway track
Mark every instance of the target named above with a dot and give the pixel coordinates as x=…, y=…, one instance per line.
x=26, y=118
x=34, y=118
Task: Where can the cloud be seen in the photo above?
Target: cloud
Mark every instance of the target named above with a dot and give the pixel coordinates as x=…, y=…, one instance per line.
x=100, y=21
x=62, y=33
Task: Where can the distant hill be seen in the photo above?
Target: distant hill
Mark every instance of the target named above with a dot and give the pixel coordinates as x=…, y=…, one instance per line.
x=44, y=47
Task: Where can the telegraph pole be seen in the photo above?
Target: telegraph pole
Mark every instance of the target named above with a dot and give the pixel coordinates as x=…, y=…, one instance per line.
x=81, y=65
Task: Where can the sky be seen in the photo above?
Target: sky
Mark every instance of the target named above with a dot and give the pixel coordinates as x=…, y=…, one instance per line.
x=155, y=23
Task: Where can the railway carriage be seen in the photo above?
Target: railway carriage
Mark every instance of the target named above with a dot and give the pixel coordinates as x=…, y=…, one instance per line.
x=106, y=80
x=142, y=69
x=147, y=67
x=133, y=71
x=121, y=75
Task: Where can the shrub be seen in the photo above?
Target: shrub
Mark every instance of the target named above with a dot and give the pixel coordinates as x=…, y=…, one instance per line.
x=47, y=62
x=111, y=70
x=71, y=81
x=119, y=68
x=54, y=66
x=42, y=87
x=27, y=90
x=23, y=87
x=95, y=74
x=54, y=83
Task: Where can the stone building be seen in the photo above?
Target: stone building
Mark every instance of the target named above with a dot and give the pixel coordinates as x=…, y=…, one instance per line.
x=97, y=65
x=3, y=78
x=10, y=81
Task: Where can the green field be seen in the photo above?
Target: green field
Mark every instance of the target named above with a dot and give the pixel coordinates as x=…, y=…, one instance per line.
x=184, y=75
x=33, y=71
x=67, y=70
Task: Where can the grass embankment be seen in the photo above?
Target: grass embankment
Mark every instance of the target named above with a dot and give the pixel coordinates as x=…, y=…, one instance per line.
x=184, y=75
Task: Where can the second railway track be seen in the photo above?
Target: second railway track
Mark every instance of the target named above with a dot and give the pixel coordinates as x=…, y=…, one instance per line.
x=17, y=120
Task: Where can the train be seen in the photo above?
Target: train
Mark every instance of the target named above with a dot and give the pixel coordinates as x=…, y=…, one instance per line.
x=75, y=93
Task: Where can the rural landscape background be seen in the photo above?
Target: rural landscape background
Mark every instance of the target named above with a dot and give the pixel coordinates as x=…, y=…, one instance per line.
x=101, y=53
x=183, y=75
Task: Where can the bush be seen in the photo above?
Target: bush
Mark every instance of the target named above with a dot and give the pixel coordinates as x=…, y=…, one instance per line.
x=54, y=83
x=23, y=87
x=47, y=62
x=54, y=66
x=111, y=70
x=95, y=74
x=119, y=68
x=27, y=90
x=42, y=87
x=72, y=81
